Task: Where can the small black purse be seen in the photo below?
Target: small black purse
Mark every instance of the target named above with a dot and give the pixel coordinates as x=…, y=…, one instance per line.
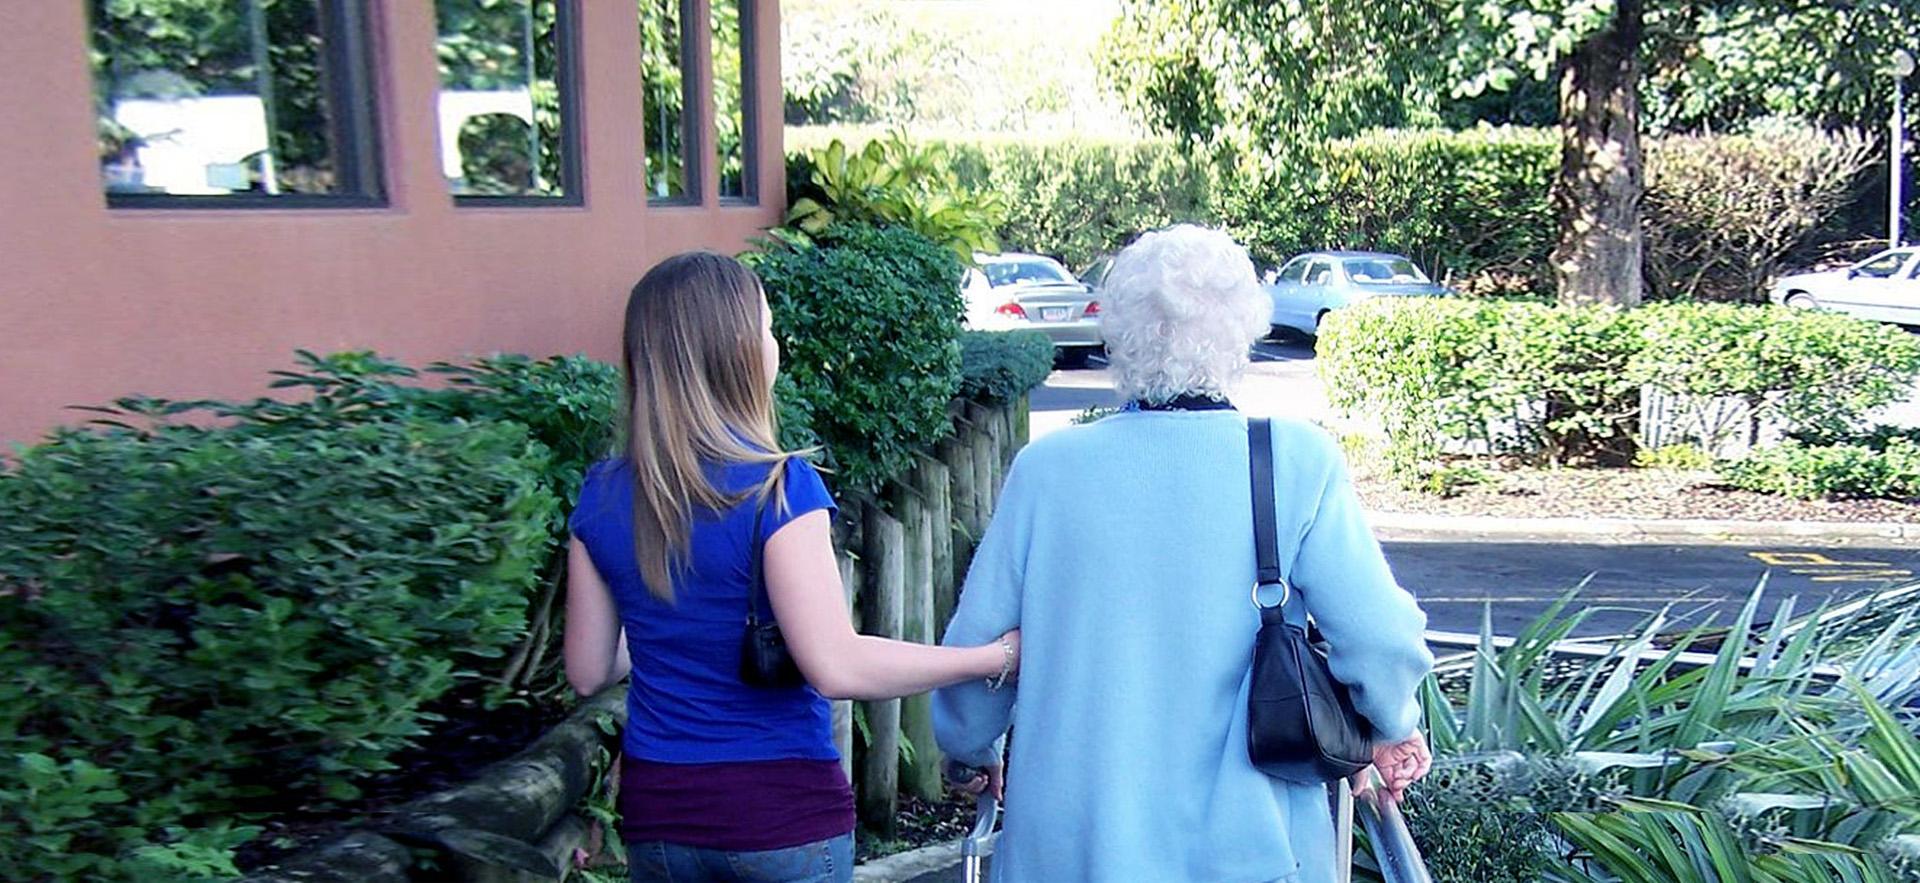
x=764, y=658
x=1301, y=724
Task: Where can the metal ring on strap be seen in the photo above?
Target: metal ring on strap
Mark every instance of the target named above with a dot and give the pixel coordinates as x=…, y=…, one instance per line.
x=1286, y=594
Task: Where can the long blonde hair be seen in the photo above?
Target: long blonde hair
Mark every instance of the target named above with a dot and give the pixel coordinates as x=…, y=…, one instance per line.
x=699, y=395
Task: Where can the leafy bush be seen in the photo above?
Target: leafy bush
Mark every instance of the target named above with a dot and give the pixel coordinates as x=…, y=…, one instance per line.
x=868, y=320
x=1078, y=199
x=221, y=616
x=1449, y=376
x=1817, y=374
x=1460, y=204
x=1751, y=757
x=1723, y=211
x=1841, y=470
x=1683, y=457
x=1562, y=384
x=1001, y=366
x=891, y=182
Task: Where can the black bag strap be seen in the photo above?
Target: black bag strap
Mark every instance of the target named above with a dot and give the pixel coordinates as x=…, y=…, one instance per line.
x=757, y=595
x=1266, y=544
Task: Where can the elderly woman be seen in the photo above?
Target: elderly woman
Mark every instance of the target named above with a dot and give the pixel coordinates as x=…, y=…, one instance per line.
x=1124, y=552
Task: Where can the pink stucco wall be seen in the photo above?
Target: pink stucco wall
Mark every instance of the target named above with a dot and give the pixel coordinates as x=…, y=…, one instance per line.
x=97, y=303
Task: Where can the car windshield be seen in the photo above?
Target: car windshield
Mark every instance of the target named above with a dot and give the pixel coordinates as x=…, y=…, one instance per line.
x=1883, y=266
x=1003, y=273
x=1385, y=271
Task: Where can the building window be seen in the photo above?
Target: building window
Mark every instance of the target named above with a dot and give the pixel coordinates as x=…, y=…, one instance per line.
x=507, y=111
x=247, y=102
x=732, y=99
x=670, y=170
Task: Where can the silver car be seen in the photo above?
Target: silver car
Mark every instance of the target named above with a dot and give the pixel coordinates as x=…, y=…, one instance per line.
x=1014, y=291
x=1884, y=288
x=1304, y=290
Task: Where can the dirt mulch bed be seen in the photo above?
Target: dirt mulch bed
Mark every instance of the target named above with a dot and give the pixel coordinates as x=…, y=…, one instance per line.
x=1620, y=493
x=920, y=823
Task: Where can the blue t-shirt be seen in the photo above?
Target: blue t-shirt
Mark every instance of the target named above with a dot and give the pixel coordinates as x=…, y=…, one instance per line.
x=686, y=702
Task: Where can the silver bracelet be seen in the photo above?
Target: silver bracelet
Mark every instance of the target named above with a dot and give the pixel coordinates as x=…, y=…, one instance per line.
x=1006, y=667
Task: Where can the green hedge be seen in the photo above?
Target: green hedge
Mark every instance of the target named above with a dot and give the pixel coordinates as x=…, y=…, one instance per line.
x=1868, y=468
x=1001, y=366
x=1078, y=199
x=1461, y=204
x=868, y=320
x=1562, y=384
x=1723, y=213
x=206, y=621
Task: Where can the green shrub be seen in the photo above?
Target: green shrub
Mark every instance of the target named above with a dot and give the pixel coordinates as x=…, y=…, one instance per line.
x=868, y=320
x=1491, y=822
x=891, y=181
x=1001, y=366
x=1486, y=377
x=1841, y=470
x=1562, y=384
x=1684, y=457
x=233, y=618
x=1819, y=374
x=1078, y=199
x=1460, y=204
x=1723, y=211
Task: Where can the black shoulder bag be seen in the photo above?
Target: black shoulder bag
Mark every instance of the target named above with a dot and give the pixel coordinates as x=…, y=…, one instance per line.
x=764, y=658
x=1301, y=725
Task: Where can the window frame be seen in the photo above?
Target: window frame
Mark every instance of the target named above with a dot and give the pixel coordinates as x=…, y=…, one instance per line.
x=1280, y=275
x=1332, y=267
x=693, y=171
x=749, y=109
x=353, y=115
x=573, y=180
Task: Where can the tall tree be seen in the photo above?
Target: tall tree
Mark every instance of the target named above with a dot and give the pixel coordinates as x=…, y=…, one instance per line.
x=1260, y=74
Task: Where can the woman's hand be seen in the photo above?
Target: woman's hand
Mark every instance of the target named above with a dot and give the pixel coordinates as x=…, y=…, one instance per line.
x=1400, y=764
x=974, y=780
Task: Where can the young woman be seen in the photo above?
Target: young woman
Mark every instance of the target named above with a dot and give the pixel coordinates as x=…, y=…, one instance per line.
x=721, y=780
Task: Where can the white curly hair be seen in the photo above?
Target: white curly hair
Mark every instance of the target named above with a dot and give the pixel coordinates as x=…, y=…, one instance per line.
x=1179, y=310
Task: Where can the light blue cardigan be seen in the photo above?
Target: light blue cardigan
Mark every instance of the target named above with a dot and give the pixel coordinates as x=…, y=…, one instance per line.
x=1124, y=552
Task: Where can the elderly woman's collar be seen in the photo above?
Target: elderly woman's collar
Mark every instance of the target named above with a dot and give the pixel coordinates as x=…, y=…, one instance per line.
x=1183, y=402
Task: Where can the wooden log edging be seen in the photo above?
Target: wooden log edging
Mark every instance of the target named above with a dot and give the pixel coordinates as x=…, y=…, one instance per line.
x=882, y=609
x=508, y=822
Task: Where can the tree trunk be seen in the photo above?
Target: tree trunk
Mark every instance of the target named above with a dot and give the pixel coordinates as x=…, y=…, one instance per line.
x=1597, y=195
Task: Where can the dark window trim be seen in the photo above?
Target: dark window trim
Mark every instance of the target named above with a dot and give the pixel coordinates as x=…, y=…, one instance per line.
x=749, y=112
x=692, y=170
x=352, y=104
x=572, y=174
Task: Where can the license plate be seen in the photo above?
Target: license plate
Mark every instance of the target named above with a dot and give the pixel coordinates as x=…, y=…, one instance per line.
x=1053, y=314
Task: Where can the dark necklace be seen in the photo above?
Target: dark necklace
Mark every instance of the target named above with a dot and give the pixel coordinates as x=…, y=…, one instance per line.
x=1183, y=402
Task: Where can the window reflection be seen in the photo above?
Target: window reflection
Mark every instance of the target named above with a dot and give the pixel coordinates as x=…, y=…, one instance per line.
x=662, y=69
x=501, y=118
x=730, y=87
x=212, y=99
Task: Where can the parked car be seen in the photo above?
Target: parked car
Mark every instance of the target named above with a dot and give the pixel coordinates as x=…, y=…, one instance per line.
x=1010, y=291
x=1308, y=287
x=1884, y=288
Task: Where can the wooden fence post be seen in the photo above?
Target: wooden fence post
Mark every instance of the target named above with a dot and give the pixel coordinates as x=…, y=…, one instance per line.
x=881, y=604
x=846, y=539
x=957, y=453
x=985, y=466
x=1022, y=423
x=936, y=485
x=920, y=775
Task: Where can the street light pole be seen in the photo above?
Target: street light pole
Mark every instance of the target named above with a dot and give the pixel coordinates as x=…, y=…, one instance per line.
x=1902, y=69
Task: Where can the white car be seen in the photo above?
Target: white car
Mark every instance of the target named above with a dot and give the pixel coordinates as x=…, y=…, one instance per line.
x=1014, y=291
x=1884, y=288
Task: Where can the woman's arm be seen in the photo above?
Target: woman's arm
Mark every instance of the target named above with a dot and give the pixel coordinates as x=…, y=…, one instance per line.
x=1375, y=631
x=803, y=582
x=595, y=645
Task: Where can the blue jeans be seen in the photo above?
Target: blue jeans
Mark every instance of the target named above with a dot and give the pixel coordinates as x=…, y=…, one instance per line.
x=823, y=861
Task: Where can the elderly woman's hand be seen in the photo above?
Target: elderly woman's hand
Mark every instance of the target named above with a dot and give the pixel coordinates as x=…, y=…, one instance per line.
x=1399, y=765
x=973, y=780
